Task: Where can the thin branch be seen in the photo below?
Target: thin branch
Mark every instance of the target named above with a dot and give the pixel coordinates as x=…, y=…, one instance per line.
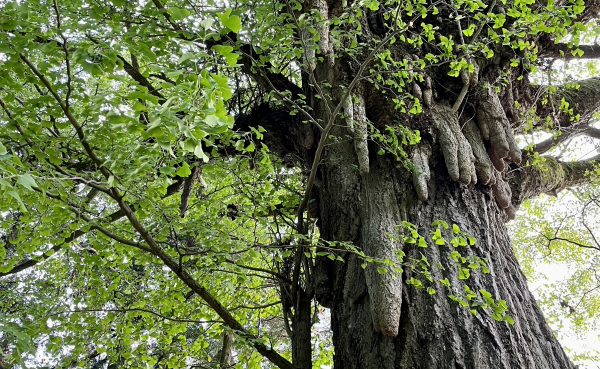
x=66, y=50
x=564, y=51
x=566, y=134
x=555, y=238
x=256, y=306
x=76, y=210
x=134, y=309
x=275, y=274
x=191, y=282
x=87, y=147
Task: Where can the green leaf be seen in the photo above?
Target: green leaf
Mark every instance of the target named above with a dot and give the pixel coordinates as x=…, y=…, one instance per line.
x=207, y=23
x=179, y=13
x=16, y=196
x=27, y=181
x=200, y=153
x=185, y=57
x=139, y=106
x=3, y=150
x=168, y=170
x=415, y=282
x=233, y=22
x=184, y=170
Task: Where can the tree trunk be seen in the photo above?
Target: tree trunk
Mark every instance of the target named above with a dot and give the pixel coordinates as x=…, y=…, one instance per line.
x=301, y=333
x=226, y=356
x=433, y=330
x=465, y=171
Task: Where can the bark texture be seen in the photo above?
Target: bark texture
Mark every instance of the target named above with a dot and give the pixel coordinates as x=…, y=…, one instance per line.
x=433, y=331
x=467, y=170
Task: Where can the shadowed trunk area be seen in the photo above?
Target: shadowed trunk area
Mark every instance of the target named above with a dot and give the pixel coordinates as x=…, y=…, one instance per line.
x=433, y=331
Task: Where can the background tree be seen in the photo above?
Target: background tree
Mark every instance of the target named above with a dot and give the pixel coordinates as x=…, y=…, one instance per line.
x=205, y=170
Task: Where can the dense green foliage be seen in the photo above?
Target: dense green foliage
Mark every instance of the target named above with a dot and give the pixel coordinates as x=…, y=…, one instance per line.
x=119, y=155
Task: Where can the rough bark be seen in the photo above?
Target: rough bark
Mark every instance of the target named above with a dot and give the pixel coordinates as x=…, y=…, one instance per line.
x=581, y=98
x=433, y=331
x=550, y=176
x=226, y=356
x=301, y=331
x=565, y=135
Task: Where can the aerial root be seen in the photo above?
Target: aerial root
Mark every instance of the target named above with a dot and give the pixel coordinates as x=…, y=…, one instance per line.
x=483, y=165
x=498, y=162
x=456, y=149
x=423, y=92
x=492, y=121
x=422, y=174
x=502, y=192
x=360, y=135
x=356, y=120
x=467, y=155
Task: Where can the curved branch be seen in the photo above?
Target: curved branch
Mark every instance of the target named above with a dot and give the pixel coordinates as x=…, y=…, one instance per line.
x=183, y=320
x=200, y=290
x=571, y=104
x=28, y=263
x=566, y=134
x=566, y=52
x=550, y=176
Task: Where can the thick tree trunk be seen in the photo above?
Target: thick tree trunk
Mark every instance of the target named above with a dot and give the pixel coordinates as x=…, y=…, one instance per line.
x=433, y=330
x=468, y=173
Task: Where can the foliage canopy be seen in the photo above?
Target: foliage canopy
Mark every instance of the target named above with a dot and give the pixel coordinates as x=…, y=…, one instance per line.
x=146, y=213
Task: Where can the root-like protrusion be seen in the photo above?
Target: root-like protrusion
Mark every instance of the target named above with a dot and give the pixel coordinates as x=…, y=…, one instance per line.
x=483, y=164
x=356, y=119
x=428, y=92
x=493, y=122
x=514, y=152
x=468, y=79
x=360, y=135
x=422, y=174
x=502, y=192
x=498, y=162
x=481, y=151
x=457, y=151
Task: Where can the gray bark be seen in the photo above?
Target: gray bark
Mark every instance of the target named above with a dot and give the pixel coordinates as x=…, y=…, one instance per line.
x=433, y=331
x=226, y=356
x=301, y=332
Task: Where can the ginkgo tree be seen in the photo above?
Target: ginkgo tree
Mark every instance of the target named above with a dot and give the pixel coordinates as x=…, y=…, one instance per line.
x=189, y=183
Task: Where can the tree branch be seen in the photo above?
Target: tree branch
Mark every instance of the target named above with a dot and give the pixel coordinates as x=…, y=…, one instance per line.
x=566, y=134
x=564, y=51
x=200, y=290
x=135, y=309
x=550, y=176
x=26, y=264
x=579, y=105
x=78, y=129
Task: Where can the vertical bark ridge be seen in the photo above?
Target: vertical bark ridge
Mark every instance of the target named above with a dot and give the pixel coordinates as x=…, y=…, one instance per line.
x=434, y=331
x=380, y=215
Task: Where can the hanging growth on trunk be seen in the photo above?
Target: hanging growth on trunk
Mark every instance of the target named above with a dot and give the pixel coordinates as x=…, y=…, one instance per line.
x=358, y=156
